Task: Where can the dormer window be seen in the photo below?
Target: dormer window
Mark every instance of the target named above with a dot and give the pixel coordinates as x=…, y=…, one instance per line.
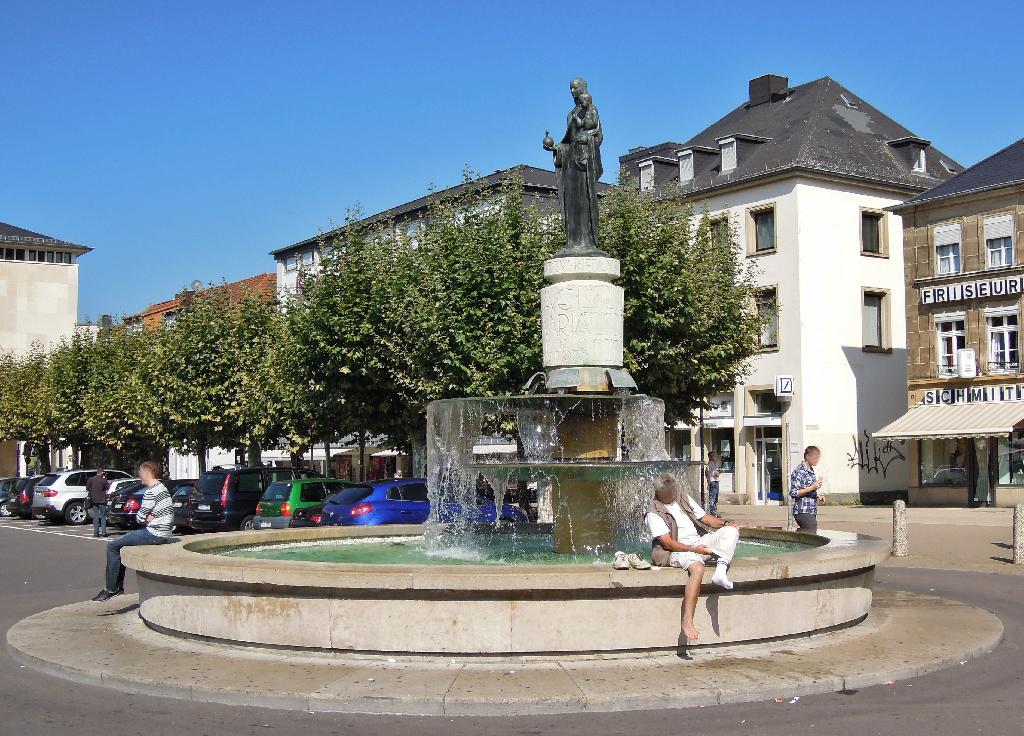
x=917, y=157
x=685, y=166
x=646, y=176
x=728, y=148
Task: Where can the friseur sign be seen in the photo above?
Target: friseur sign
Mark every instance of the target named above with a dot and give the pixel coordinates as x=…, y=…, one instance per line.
x=973, y=395
x=980, y=289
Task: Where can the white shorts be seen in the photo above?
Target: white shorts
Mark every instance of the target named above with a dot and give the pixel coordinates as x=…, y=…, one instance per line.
x=721, y=541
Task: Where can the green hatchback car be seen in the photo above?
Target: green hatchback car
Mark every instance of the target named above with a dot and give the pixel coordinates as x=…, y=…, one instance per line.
x=297, y=502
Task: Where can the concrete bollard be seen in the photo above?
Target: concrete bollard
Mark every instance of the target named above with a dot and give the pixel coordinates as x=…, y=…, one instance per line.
x=900, y=540
x=1018, y=534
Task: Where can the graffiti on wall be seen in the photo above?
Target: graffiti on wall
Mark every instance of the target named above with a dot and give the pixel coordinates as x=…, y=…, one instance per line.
x=873, y=455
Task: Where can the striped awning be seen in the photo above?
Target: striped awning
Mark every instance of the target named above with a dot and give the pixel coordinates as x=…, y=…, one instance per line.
x=955, y=420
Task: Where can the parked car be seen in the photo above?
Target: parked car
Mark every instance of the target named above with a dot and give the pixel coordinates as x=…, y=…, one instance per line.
x=119, y=485
x=180, y=491
x=286, y=501
x=485, y=512
x=25, y=490
x=123, y=504
x=8, y=494
x=307, y=516
x=61, y=496
x=225, y=498
x=399, y=501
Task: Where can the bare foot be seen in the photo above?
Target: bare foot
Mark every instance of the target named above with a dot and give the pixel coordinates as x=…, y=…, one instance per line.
x=690, y=631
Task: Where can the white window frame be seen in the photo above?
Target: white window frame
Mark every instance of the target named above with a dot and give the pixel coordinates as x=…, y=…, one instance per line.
x=919, y=160
x=729, y=156
x=1010, y=362
x=291, y=263
x=999, y=228
x=685, y=166
x=947, y=241
x=948, y=360
x=646, y=176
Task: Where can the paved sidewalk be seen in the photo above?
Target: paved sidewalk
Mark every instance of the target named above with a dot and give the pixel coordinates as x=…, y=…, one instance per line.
x=940, y=538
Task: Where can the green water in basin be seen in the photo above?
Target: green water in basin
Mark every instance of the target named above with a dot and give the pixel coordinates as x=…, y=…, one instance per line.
x=531, y=549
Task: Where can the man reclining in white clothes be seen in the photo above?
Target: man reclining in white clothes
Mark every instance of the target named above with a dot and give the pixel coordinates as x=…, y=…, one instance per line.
x=673, y=519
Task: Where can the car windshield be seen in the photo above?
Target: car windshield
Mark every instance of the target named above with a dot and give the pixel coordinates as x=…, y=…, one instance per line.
x=131, y=487
x=25, y=483
x=48, y=480
x=352, y=494
x=277, y=492
x=209, y=484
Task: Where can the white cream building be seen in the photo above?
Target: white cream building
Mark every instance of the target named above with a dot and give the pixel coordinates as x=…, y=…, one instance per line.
x=38, y=301
x=802, y=177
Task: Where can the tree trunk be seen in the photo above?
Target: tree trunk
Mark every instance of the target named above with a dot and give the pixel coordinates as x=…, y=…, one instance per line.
x=362, y=455
x=44, y=458
x=255, y=454
x=418, y=445
x=327, y=459
x=296, y=460
x=201, y=454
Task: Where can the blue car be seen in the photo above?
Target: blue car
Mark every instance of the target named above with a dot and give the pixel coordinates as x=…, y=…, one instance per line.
x=400, y=501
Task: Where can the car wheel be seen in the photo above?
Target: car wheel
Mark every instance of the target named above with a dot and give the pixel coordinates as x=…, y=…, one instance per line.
x=75, y=513
x=5, y=510
x=247, y=524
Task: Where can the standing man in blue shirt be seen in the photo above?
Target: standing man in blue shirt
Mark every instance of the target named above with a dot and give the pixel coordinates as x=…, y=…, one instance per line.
x=803, y=490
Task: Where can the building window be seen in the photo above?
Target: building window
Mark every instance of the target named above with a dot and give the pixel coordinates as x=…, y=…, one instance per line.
x=920, y=163
x=947, y=249
x=766, y=403
x=874, y=320
x=678, y=444
x=999, y=241
x=307, y=258
x=761, y=224
x=685, y=166
x=1011, y=459
x=291, y=263
x=728, y=149
x=943, y=462
x=646, y=176
x=1003, y=348
x=768, y=309
x=952, y=338
x=720, y=232
x=871, y=232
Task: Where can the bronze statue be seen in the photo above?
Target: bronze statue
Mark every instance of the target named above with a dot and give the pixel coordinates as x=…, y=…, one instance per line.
x=578, y=168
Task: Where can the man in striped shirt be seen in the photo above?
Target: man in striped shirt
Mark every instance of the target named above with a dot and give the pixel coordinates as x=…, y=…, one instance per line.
x=156, y=512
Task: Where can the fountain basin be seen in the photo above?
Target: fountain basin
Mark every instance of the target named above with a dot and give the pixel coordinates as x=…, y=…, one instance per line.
x=192, y=589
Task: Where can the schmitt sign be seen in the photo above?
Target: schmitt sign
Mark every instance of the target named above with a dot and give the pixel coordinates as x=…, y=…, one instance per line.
x=973, y=395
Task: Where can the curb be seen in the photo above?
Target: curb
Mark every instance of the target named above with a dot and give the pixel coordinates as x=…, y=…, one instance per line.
x=902, y=638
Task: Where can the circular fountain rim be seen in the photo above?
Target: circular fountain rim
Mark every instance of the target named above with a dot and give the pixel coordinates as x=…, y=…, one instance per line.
x=840, y=552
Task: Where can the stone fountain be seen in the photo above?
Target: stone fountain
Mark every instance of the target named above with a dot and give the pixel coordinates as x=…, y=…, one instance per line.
x=584, y=446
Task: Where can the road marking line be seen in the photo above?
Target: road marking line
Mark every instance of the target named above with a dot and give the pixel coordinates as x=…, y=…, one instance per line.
x=51, y=531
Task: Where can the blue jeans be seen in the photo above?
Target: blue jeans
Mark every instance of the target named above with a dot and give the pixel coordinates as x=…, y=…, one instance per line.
x=713, y=497
x=115, y=570
x=99, y=519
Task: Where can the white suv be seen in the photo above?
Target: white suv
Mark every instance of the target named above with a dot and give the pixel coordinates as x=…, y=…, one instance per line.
x=61, y=496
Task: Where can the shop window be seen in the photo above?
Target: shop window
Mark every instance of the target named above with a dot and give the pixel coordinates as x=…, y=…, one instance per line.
x=768, y=309
x=944, y=462
x=952, y=336
x=1003, y=339
x=720, y=441
x=678, y=444
x=1011, y=459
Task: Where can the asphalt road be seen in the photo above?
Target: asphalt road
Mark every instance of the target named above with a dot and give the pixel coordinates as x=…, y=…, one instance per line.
x=46, y=566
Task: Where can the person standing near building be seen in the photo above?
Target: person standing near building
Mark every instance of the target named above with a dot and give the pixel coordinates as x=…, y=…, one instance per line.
x=714, y=474
x=96, y=496
x=803, y=490
x=156, y=513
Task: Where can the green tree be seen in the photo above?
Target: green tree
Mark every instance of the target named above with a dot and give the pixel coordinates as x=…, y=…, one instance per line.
x=689, y=324
x=68, y=377
x=25, y=403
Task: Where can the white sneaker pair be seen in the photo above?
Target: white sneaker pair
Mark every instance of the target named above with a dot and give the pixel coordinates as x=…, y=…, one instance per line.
x=623, y=561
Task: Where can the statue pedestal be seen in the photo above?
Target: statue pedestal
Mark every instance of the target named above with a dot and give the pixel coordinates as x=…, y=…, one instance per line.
x=581, y=325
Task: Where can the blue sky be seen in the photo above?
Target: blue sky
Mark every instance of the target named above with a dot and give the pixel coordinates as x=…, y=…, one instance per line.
x=185, y=140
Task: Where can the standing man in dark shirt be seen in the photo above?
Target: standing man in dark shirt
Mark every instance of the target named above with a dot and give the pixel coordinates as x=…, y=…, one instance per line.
x=96, y=490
